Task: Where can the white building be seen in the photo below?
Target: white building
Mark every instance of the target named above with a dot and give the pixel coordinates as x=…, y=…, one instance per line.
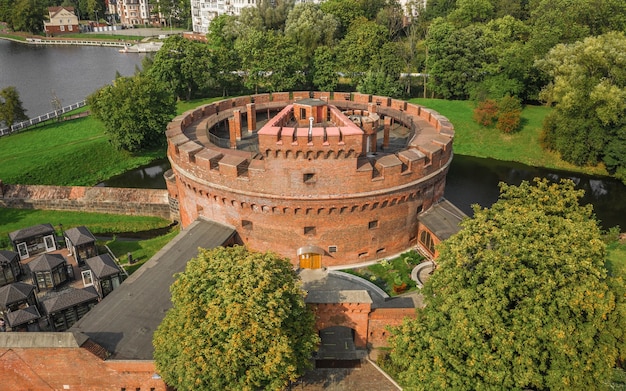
x=203, y=11
x=137, y=12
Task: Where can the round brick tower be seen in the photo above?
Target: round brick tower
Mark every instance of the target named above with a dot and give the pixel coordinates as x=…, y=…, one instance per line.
x=321, y=178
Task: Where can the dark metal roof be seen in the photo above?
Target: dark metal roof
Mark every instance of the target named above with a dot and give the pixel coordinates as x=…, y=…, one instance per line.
x=22, y=316
x=69, y=298
x=7, y=256
x=35, y=230
x=46, y=262
x=442, y=219
x=102, y=266
x=15, y=292
x=123, y=323
x=80, y=235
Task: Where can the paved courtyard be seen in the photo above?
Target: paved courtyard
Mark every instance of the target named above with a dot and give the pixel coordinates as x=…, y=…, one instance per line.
x=365, y=378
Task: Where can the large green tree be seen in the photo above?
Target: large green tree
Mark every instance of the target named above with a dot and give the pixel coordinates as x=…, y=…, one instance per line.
x=238, y=322
x=588, y=124
x=28, y=15
x=183, y=65
x=520, y=300
x=135, y=111
x=11, y=109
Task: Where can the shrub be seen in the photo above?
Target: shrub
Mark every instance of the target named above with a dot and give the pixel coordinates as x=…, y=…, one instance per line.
x=509, y=122
x=486, y=112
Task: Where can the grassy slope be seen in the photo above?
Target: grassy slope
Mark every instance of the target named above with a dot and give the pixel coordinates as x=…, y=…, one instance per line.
x=523, y=146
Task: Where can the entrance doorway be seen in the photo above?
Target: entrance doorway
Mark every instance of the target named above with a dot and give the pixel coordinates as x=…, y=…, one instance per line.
x=310, y=257
x=337, y=343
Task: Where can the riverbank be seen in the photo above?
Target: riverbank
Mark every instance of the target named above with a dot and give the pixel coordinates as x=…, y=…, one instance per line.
x=523, y=146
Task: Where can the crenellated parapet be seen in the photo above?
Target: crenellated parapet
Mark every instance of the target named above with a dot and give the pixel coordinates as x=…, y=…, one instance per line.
x=319, y=168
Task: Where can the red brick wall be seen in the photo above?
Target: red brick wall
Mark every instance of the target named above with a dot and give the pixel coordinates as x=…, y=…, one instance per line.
x=352, y=315
x=323, y=184
x=382, y=318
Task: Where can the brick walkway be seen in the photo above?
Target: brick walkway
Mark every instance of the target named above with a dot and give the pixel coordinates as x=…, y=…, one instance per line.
x=357, y=379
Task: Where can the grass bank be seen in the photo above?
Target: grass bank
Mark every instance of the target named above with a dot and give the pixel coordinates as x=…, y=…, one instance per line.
x=71, y=153
x=523, y=146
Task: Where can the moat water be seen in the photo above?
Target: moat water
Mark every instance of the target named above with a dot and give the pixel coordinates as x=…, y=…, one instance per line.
x=470, y=181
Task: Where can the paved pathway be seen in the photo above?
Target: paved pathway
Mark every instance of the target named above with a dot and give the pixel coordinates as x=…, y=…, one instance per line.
x=365, y=378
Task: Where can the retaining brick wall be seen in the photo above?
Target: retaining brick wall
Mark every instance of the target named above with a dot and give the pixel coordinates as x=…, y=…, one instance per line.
x=145, y=202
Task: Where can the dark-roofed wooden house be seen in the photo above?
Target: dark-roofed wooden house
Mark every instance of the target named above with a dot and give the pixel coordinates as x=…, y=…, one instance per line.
x=25, y=319
x=10, y=267
x=34, y=240
x=81, y=243
x=49, y=271
x=66, y=308
x=106, y=275
x=16, y=296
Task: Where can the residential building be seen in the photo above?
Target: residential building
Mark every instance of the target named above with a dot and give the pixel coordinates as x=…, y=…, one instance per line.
x=62, y=21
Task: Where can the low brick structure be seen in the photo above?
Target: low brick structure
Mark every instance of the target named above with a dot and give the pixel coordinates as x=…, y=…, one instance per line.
x=147, y=202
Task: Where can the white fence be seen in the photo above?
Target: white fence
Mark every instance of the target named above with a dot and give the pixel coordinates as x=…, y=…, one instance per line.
x=82, y=42
x=34, y=121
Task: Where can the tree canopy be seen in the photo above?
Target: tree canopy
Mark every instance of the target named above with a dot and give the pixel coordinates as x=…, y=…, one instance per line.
x=238, y=322
x=521, y=300
x=588, y=124
x=135, y=111
x=11, y=109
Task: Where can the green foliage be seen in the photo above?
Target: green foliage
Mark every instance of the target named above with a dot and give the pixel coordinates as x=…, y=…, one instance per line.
x=135, y=111
x=28, y=15
x=183, y=65
x=380, y=83
x=11, y=109
x=324, y=75
x=514, y=304
x=509, y=114
x=588, y=124
x=238, y=322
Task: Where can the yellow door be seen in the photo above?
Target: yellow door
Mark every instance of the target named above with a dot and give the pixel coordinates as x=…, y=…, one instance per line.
x=310, y=261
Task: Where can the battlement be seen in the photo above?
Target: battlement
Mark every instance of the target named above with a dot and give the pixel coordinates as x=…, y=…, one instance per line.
x=332, y=136
x=345, y=173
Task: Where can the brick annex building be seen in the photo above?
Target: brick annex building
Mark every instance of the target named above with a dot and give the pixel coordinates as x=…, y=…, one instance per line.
x=321, y=178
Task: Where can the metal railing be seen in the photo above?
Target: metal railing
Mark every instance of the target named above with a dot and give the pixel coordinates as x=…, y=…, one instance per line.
x=37, y=120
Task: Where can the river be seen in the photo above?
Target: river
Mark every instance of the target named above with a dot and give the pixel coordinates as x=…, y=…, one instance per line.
x=69, y=72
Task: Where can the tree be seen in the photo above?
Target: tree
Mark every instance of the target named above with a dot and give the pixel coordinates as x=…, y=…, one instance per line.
x=183, y=65
x=11, y=109
x=325, y=76
x=521, y=300
x=28, y=15
x=455, y=59
x=588, y=123
x=238, y=322
x=360, y=45
x=135, y=111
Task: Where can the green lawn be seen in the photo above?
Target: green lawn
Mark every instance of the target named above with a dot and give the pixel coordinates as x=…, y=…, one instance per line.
x=141, y=250
x=523, y=146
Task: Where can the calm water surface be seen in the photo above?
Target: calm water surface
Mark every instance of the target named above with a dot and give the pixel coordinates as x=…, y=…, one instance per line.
x=70, y=72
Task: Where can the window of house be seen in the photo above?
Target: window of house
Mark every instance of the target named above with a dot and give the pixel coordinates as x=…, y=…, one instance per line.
x=332, y=249
x=302, y=113
x=62, y=28
x=373, y=224
x=420, y=209
x=70, y=28
x=427, y=241
x=309, y=230
x=309, y=178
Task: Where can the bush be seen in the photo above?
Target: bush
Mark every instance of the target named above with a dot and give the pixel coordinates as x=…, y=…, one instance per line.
x=506, y=113
x=486, y=112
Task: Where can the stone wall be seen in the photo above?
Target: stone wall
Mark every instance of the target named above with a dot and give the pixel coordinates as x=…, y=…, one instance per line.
x=145, y=202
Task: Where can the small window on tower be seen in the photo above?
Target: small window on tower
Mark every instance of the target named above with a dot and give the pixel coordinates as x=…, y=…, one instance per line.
x=309, y=230
x=302, y=113
x=247, y=224
x=332, y=249
x=373, y=224
x=309, y=178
